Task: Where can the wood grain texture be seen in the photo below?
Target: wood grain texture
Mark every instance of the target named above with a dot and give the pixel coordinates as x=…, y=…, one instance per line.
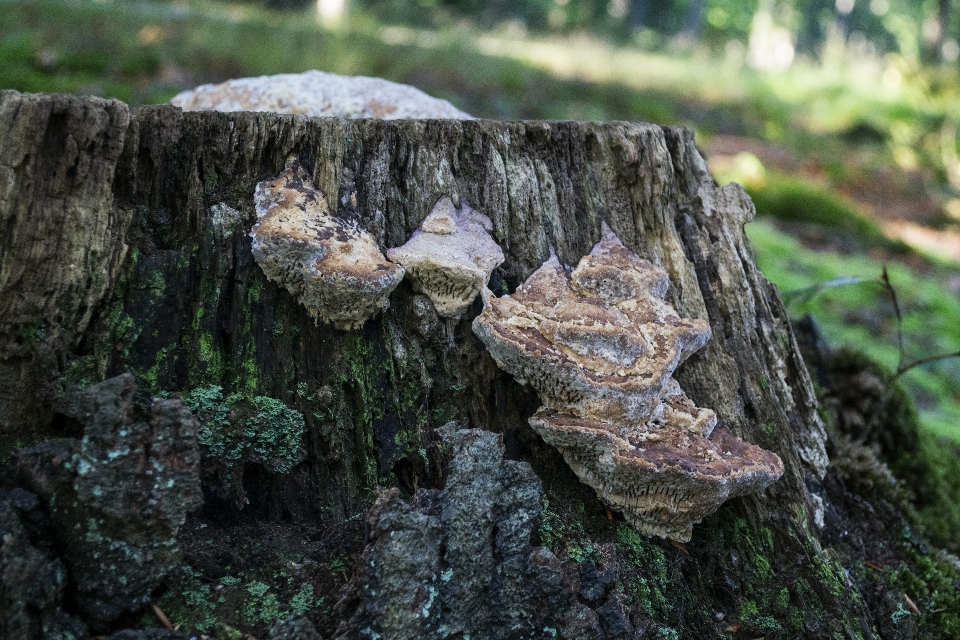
x=62, y=240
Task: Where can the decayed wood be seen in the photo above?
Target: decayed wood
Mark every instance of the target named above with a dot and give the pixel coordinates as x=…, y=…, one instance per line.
x=83, y=179
x=62, y=241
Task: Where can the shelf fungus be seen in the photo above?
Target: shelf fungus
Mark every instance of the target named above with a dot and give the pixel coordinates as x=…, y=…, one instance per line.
x=600, y=345
x=332, y=266
x=450, y=257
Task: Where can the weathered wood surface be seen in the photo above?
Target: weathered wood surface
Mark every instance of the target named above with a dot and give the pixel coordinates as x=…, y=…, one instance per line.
x=63, y=241
x=117, y=254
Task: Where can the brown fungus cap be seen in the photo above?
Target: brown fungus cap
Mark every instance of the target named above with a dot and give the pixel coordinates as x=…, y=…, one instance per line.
x=450, y=257
x=332, y=266
x=600, y=342
x=664, y=481
x=600, y=345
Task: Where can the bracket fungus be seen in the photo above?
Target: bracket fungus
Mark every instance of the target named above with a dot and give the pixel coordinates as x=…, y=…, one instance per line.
x=450, y=256
x=600, y=345
x=332, y=266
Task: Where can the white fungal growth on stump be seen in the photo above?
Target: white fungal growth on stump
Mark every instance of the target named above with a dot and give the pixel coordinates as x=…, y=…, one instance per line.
x=331, y=265
x=450, y=257
x=319, y=95
x=600, y=346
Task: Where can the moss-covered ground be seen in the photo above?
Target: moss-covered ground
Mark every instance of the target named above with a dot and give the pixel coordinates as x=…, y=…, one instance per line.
x=845, y=293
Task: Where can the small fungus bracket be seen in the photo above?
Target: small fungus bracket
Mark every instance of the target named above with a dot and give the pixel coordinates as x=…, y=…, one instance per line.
x=450, y=257
x=331, y=265
x=600, y=345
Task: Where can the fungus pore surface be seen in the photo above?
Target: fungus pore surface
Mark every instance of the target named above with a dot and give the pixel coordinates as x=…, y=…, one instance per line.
x=600, y=345
x=331, y=265
x=450, y=256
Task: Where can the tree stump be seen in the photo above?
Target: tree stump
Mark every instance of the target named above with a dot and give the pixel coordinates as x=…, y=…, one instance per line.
x=125, y=247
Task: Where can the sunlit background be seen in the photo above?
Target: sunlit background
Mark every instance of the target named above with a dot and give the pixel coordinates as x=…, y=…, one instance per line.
x=841, y=117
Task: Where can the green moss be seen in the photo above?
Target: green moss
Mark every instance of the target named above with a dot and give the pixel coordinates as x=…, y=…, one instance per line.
x=653, y=579
x=782, y=601
x=192, y=604
x=209, y=356
x=262, y=607
x=798, y=200
x=356, y=370
x=550, y=526
x=149, y=378
x=762, y=567
x=251, y=373
x=666, y=633
x=930, y=581
x=254, y=291
x=928, y=465
x=303, y=601
x=583, y=550
x=11, y=441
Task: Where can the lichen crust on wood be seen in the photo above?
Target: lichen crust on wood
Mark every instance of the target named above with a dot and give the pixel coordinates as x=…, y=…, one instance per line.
x=332, y=266
x=450, y=256
x=601, y=345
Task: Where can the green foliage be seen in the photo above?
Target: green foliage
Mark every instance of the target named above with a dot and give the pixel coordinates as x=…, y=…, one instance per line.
x=861, y=316
x=798, y=200
x=568, y=533
x=263, y=607
x=303, y=600
x=192, y=603
x=578, y=552
x=550, y=526
x=652, y=579
x=275, y=432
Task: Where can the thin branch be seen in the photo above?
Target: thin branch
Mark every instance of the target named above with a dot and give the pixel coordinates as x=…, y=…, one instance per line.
x=885, y=281
x=807, y=293
x=916, y=363
x=902, y=366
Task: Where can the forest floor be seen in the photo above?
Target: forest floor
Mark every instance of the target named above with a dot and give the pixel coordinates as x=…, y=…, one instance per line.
x=852, y=161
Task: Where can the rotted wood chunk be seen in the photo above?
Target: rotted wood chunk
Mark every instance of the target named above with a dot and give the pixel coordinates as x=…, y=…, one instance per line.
x=450, y=257
x=332, y=266
x=600, y=345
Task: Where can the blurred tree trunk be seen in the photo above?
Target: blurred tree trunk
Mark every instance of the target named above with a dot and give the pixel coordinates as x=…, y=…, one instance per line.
x=694, y=19
x=638, y=15
x=160, y=204
x=943, y=24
